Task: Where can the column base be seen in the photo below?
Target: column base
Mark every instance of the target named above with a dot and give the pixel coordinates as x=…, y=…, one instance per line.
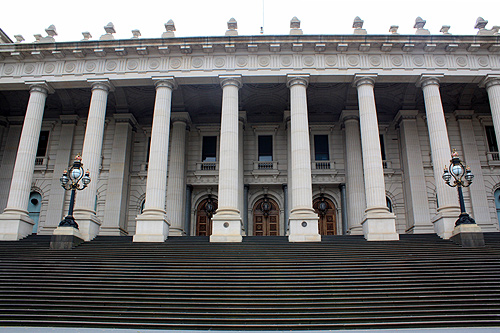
x=304, y=228
x=444, y=222
x=420, y=229
x=468, y=235
x=358, y=230
x=151, y=228
x=88, y=224
x=65, y=238
x=176, y=232
x=379, y=226
x=15, y=226
x=226, y=229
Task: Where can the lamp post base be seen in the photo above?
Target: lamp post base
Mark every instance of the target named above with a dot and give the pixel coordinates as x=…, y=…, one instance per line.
x=69, y=221
x=464, y=218
x=468, y=235
x=65, y=238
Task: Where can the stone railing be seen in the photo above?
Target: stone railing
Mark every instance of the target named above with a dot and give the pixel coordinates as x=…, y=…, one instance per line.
x=269, y=165
x=207, y=166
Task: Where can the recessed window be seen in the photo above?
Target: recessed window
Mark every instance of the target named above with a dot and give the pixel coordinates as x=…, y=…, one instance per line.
x=321, y=149
x=265, y=148
x=492, y=139
x=209, y=149
x=43, y=143
x=389, y=204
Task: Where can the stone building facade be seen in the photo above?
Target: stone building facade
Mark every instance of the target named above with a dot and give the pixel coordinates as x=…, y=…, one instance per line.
x=298, y=135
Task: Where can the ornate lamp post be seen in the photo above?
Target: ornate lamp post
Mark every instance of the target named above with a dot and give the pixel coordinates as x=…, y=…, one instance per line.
x=70, y=181
x=461, y=176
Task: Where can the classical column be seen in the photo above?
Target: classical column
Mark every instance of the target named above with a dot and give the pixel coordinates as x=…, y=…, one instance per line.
x=378, y=223
x=55, y=209
x=416, y=202
x=241, y=169
x=343, y=205
x=187, y=212
x=176, y=185
x=227, y=223
x=448, y=210
x=492, y=84
x=115, y=216
x=479, y=200
x=303, y=219
x=9, y=157
x=84, y=212
x=15, y=222
x=356, y=201
x=152, y=225
x=287, y=193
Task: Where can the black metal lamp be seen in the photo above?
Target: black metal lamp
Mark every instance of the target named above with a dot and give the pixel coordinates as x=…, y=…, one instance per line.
x=458, y=175
x=70, y=181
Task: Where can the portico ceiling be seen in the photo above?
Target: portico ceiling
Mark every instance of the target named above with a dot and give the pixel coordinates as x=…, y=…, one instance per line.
x=263, y=102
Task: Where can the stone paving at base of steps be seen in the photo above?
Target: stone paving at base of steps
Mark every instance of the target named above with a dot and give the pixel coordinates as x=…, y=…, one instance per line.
x=111, y=330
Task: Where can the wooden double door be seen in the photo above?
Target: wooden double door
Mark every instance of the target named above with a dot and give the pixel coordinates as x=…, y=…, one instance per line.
x=204, y=213
x=266, y=217
x=326, y=211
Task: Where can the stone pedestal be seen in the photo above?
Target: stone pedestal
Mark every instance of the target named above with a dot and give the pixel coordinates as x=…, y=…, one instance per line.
x=151, y=228
x=226, y=228
x=468, y=235
x=15, y=226
x=65, y=238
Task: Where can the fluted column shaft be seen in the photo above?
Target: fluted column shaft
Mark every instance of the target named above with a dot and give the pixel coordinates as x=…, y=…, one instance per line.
x=152, y=224
x=448, y=209
x=227, y=223
x=26, y=154
x=300, y=149
x=303, y=221
x=92, y=145
x=493, y=89
x=15, y=222
x=176, y=187
x=439, y=142
x=356, y=201
x=229, y=142
x=156, y=184
x=370, y=143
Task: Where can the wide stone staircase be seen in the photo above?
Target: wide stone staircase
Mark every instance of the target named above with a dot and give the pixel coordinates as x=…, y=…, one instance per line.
x=263, y=283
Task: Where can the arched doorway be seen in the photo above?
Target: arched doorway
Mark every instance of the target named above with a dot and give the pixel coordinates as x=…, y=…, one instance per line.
x=34, y=207
x=266, y=217
x=497, y=203
x=206, y=209
x=327, y=216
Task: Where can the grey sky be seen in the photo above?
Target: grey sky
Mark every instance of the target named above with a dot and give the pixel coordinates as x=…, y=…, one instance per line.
x=209, y=18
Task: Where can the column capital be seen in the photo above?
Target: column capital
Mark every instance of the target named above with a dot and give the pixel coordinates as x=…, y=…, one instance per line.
x=69, y=119
x=40, y=86
x=429, y=79
x=349, y=115
x=230, y=80
x=404, y=115
x=294, y=79
x=362, y=79
x=463, y=114
x=101, y=84
x=242, y=116
x=180, y=117
x=165, y=81
x=490, y=81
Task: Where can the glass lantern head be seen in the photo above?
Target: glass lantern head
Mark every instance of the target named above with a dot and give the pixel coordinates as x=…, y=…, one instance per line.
x=469, y=176
x=75, y=174
x=64, y=178
x=446, y=175
x=86, y=178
